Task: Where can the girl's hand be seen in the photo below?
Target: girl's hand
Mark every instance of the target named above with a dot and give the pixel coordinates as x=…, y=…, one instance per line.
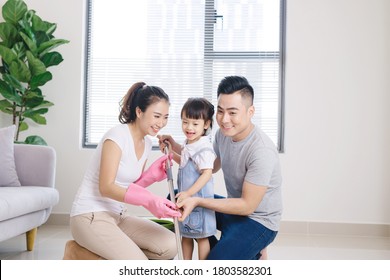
x=182, y=196
x=163, y=141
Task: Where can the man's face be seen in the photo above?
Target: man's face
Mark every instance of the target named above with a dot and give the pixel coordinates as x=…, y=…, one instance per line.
x=234, y=115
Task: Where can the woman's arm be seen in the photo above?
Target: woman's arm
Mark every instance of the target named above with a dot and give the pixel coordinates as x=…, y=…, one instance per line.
x=109, y=163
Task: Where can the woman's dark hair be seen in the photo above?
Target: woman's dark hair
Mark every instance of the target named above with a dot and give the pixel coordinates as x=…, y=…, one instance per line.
x=199, y=108
x=231, y=84
x=142, y=96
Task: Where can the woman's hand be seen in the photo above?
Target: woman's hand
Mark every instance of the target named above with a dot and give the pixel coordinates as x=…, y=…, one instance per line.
x=158, y=206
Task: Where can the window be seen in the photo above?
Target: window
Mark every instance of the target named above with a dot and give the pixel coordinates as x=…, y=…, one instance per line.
x=185, y=47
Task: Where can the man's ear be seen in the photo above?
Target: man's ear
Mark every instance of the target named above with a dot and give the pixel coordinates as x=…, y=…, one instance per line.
x=251, y=110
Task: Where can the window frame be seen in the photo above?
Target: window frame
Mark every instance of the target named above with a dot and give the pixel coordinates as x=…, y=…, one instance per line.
x=212, y=55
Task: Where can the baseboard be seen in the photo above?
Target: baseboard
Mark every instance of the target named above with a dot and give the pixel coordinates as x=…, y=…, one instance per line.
x=295, y=227
x=58, y=220
x=326, y=228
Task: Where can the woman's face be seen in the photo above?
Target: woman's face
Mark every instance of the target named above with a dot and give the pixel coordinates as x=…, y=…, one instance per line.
x=154, y=118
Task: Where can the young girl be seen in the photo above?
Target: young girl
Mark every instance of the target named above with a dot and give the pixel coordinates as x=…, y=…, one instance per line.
x=196, y=159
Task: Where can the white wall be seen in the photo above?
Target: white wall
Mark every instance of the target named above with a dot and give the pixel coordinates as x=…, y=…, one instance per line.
x=337, y=157
x=337, y=90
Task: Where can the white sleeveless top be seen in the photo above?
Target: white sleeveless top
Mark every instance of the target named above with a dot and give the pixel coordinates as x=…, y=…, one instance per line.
x=88, y=198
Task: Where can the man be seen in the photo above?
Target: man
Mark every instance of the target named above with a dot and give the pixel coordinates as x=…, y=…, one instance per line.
x=249, y=217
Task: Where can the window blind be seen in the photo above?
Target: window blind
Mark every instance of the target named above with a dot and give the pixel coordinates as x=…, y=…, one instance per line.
x=185, y=47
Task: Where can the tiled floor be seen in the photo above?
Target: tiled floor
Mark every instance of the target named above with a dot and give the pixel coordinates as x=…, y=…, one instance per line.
x=51, y=239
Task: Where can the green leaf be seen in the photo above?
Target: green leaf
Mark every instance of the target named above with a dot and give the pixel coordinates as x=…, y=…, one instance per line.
x=31, y=112
x=30, y=43
x=28, y=17
x=20, y=50
x=45, y=104
x=7, y=54
x=52, y=59
x=13, y=82
x=8, y=93
x=23, y=126
x=9, y=34
x=25, y=24
x=41, y=37
x=20, y=71
x=6, y=106
x=49, y=45
x=32, y=99
x=37, y=67
x=39, y=25
x=14, y=10
x=40, y=80
x=35, y=140
x=35, y=116
x=39, y=119
x=5, y=89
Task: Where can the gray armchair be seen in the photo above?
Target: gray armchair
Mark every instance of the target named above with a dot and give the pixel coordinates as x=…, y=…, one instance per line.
x=23, y=209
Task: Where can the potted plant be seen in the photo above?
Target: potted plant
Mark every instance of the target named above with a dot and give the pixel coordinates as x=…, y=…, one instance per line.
x=26, y=52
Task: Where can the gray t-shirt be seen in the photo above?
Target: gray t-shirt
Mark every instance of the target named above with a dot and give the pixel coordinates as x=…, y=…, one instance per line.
x=254, y=159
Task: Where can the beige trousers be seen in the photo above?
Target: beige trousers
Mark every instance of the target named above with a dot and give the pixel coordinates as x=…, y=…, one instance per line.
x=123, y=237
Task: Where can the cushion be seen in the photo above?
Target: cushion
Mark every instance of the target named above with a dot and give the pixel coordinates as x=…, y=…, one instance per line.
x=8, y=175
x=16, y=202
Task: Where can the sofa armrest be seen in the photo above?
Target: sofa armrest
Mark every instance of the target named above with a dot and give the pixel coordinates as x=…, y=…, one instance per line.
x=35, y=165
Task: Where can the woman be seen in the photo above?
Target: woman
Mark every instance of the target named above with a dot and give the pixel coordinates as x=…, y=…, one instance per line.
x=115, y=176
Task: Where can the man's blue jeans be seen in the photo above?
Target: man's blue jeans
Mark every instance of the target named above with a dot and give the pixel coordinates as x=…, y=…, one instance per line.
x=241, y=238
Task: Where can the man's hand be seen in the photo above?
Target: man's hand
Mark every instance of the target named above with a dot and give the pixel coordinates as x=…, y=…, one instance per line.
x=186, y=206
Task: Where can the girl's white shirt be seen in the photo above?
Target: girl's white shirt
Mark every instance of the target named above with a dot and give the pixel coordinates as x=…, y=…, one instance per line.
x=204, y=160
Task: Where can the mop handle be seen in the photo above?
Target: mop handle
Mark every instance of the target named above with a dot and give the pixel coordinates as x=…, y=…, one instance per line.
x=172, y=195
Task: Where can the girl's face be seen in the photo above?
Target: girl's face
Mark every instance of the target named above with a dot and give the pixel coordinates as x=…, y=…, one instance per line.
x=154, y=118
x=193, y=129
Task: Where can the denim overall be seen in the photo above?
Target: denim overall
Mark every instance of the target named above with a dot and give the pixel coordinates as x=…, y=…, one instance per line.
x=201, y=222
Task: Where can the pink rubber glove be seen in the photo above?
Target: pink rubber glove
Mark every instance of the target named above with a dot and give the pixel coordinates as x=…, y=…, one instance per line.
x=155, y=173
x=158, y=206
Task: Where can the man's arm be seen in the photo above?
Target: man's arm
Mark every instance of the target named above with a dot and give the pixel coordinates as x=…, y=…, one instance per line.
x=243, y=206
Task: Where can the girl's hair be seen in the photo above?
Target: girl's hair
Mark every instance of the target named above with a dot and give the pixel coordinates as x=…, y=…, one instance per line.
x=142, y=96
x=199, y=108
